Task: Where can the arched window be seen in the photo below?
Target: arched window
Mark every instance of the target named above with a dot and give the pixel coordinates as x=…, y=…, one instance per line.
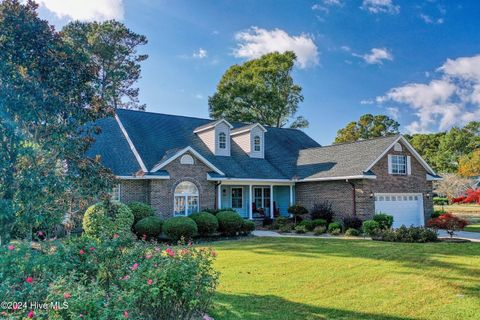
x=186, y=159
x=185, y=199
x=222, y=140
x=256, y=143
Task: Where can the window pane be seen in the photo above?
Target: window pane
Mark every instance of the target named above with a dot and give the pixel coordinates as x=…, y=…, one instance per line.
x=180, y=205
x=186, y=187
x=237, y=198
x=256, y=143
x=192, y=204
x=222, y=140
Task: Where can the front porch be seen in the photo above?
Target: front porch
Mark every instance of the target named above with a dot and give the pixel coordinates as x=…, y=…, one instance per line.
x=256, y=200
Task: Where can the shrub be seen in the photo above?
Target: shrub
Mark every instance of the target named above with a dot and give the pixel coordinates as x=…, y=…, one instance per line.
x=279, y=222
x=297, y=210
x=448, y=222
x=352, y=232
x=334, y=226
x=319, y=230
x=322, y=210
x=215, y=211
x=404, y=234
x=335, y=232
x=437, y=213
x=286, y=228
x=319, y=222
x=150, y=227
x=207, y=223
x=385, y=221
x=140, y=210
x=177, y=227
x=105, y=219
x=247, y=227
x=370, y=227
x=300, y=229
x=229, y=222
x=352, y=222
x=440, y=201
x=308, y=224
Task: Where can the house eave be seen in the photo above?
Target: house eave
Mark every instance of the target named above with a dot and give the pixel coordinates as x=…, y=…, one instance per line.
x=144, y=177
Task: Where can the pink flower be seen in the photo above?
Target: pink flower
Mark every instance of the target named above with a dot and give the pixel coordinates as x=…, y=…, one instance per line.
x=148, y=256
x=92, y=249
x=134, y=267
x=115, y=236
x=214, y=253
x=31, y=314
x=125, y=314
x=40, y=233
x=16, y=306
x=81, y=251
x=67, y=295
x=125, y=277
x=170, y=252
x=29, y=280
x=11, y=247
x=150, y=281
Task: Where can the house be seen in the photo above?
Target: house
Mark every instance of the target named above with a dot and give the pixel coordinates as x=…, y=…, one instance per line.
x=180, y=165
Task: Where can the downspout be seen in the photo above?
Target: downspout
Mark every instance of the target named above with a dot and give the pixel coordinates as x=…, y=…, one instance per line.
x=217, y=185
x=354, y=197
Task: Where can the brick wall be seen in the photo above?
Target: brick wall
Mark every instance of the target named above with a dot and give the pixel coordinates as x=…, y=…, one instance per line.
x=134, y=190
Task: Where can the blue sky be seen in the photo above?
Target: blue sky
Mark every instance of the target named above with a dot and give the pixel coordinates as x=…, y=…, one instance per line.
x=417, y=61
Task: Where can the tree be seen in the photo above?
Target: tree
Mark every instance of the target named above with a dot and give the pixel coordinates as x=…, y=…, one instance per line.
x=46, y=101
x=367, y=127
x=448, y=222
x=113, y=48
x=260, y=90
x=469, y=165
x=452, y=185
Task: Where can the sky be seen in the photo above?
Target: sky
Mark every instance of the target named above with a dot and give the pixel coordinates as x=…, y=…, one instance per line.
x=416, y=61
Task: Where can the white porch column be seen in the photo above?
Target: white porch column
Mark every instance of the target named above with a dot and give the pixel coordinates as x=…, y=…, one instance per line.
x=250, y=201
x=219, y=196
x=291, y=194
x=271, y=201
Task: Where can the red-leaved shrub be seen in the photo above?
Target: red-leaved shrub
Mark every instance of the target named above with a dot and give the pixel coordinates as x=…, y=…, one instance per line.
x=448, y=222
x=473, y=196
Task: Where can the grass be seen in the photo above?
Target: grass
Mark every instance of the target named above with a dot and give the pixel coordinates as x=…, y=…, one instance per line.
x=473, y=228
x=293, y=278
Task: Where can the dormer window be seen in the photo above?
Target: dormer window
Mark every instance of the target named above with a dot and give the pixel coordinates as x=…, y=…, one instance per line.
x=222, y=140
x=257, y=143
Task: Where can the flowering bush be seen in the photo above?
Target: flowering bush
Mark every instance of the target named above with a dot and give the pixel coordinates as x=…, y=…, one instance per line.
x=109, y=279
x=448, y=222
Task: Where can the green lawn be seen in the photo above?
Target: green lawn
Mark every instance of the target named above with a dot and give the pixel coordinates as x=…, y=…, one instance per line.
x=285, y=278
x=473, y=228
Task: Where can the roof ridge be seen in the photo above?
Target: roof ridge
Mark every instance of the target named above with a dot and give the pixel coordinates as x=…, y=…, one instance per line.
x=358, y=141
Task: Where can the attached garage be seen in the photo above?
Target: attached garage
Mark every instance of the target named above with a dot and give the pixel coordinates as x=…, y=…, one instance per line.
x=406, y=208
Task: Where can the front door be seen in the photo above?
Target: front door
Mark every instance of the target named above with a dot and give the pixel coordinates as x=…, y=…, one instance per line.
x=262, y=199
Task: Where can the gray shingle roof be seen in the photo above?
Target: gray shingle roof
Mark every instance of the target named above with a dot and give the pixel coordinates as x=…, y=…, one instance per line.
x=288, y=152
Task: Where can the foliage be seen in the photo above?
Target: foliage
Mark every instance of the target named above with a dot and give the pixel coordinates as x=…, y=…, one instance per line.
x=437, y=213
x=247, y=227
x=230, y=223
x=404, y=234
x=319, y=230
x=370, y=227
x=47, y=100
x=140, y=210
x=301, y=229
x=367, y=127
x=439, y=201
x=104, y=219
x=448, y=222
x=322, y=210
x=297, y=210
x=352, y=232
x=215, y=211
x=352, y=222
x=452, y=185
x=150, y=227
x=286, y=228
x=334, y=226
x=280, y=221
x=469, y=164
x=109, y=279
x=176, y=228
x=385, y=221
x=473, y=196
x=113, y=47
x=260, y=90
x=308, y=224
x=207, y=223
x=7, y=218
x=319, y=222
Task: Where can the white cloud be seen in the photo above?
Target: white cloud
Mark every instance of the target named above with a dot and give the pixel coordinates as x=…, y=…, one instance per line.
x=325, y=4
x=450, y=100
x=200, y=54
x=85, y=10
x=429, y=20
x=199, y=96
x=255, y=42
x=393, y=112
x=376, y=56
x=380, y=6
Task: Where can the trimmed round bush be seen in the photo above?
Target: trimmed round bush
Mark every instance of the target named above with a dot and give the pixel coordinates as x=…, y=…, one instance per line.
x=301, y=229
x=308, y=224
x=207, y=223
x=229, y=222
x=319, y=222
x=351, y=232
x=177, y=227
x=370, y=227
x=248, y=226
x=385, y=221
x=104, y=219
x=334, y=226
x=149, y=226
x=140, y=210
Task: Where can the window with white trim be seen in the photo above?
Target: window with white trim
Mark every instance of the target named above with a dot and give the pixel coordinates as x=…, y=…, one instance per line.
x=187, y=159
x=399, y=164
x=185, y=199
x=257, y=143
x=222, y=140
x=115, y=194
x=237, y=198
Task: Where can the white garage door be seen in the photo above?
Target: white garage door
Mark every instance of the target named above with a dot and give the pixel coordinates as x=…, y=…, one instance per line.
x=406, y=208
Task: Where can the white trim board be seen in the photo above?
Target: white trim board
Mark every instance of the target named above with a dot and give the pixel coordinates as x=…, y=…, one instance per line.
x=283, y=181
x=145, y=177
x=213, y=124
x=249, y=129
x=130, y=143
x=182, y=152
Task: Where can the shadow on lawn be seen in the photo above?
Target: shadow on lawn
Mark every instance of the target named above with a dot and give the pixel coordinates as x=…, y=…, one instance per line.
x=256, y=307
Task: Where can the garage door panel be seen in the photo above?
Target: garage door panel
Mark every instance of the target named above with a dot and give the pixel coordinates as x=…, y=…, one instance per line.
x=406, y=209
